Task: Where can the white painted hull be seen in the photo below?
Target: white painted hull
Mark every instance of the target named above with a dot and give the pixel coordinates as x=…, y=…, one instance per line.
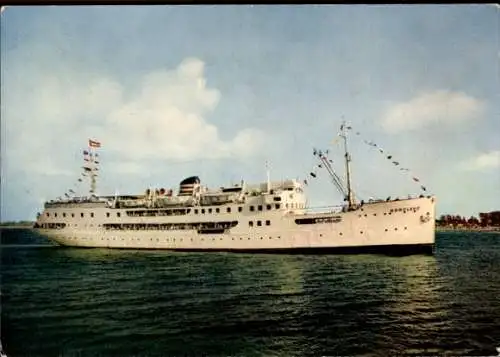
x=390, y=224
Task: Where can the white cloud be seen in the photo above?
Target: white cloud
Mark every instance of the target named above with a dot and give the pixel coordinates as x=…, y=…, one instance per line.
x=163, y=117
x=484, y=161
x=442, y=106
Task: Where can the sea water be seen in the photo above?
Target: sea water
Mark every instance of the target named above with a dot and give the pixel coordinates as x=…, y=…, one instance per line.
x=58, y=301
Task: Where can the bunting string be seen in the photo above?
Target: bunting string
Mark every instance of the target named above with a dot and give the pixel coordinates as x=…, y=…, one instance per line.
x=391, y=158
x=90, y=168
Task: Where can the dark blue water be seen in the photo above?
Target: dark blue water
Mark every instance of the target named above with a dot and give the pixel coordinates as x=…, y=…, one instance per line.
x=97, y=302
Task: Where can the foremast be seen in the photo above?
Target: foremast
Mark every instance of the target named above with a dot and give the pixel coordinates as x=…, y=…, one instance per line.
x=350, y=194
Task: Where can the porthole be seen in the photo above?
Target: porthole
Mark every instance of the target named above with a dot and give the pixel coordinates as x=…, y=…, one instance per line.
x=340, y=233
x=361, y=232
x=268, y=207
x=406, y=228
x=374, y=214
x=386, y=230
x=396, y=229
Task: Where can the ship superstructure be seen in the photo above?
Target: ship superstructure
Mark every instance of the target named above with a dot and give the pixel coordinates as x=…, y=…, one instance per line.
x=267, y=216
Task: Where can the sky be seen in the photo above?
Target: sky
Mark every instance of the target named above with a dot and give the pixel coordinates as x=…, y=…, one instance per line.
x=218, y=91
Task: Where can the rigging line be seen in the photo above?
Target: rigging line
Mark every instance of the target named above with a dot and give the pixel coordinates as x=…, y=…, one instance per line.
x=389, y=156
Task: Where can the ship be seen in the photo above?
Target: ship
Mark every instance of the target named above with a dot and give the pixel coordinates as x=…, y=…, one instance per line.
x=270, y=216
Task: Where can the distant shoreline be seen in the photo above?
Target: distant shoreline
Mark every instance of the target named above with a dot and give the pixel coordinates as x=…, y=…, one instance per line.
x=468, y=229
x=10, y=226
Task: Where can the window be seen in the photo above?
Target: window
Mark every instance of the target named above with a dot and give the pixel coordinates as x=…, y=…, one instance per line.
x=251, y=208
x=268, y=223
x=48, y=214
x=209, y=210
x=117, y=214
x=92, y=214
x=268, y=207
x=64, y=214
x=202, y=210
x=72, y=214
x=260, y=207
x=228, y=210
x=195, y=211
x=107, y=214
x=217, y=210
x=81, y=214
x=259, y=223
x=277, y=205
x=240, y=209
x=55, y=214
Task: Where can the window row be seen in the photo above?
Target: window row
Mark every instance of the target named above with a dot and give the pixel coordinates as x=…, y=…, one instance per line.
x=176, y=212
x=202, y=227
x=261, y=207
x=259, y=223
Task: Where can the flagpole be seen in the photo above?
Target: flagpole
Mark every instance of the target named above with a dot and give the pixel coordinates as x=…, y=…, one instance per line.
x=268, y=177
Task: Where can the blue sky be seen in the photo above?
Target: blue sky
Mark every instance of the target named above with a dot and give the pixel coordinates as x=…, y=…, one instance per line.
x=172, y=91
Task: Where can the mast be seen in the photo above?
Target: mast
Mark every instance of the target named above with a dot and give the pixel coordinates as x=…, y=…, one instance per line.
x=350, y=194
x=92, y=168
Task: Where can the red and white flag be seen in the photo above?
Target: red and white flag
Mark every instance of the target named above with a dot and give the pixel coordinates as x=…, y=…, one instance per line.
x=94, y=144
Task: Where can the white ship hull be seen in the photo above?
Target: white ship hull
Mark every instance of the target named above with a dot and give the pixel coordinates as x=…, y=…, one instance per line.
x=402, y=225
